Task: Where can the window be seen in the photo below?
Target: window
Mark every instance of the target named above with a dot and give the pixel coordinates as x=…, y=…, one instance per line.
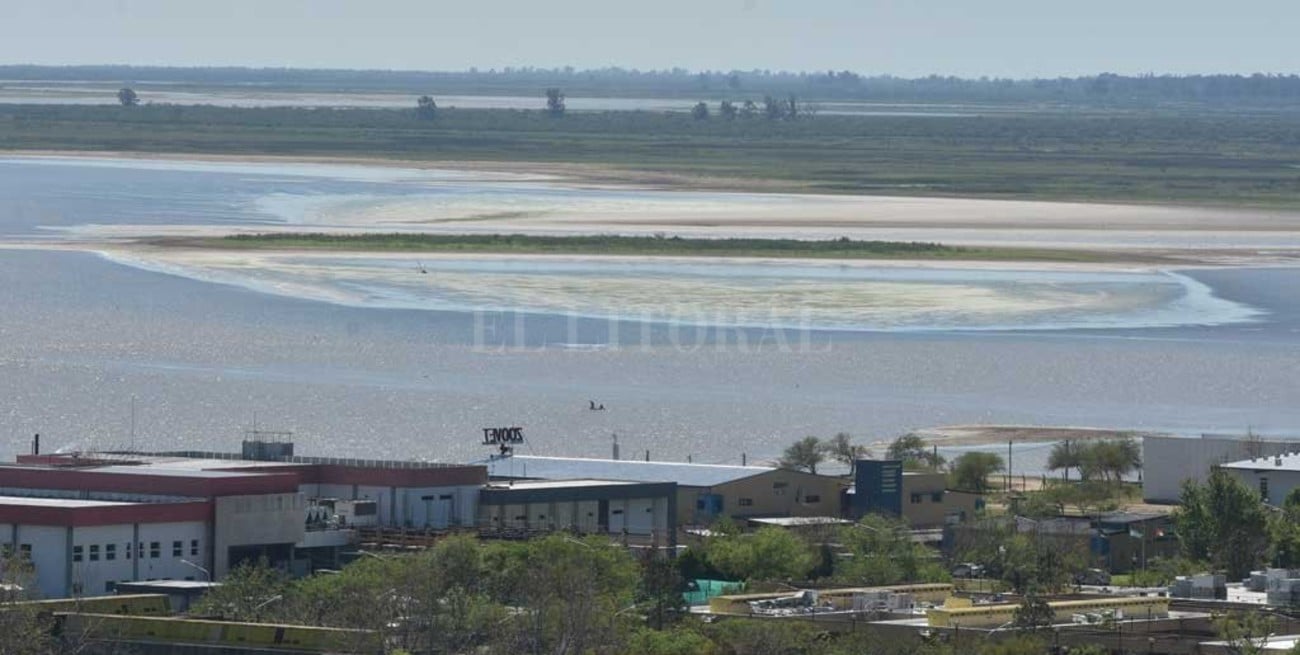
x=76, y=553
x=6, y=550
x=109, y=587
x=812, y=499
x=178, y=549
x=745, y=502
x=916, y=499
x=194, y=547
x=94, y=552
x=155, y=550
x=25, y=550
x=1263, y=489
x=110, y=552
x=778, y=488
x=937, y=496
x=128, y=550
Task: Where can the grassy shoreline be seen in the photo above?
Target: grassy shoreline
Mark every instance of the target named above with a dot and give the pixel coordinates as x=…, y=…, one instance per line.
x=842, y=248
x=1160, y=157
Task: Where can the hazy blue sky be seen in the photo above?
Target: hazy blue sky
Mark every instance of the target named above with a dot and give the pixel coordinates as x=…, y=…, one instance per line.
x=903, y=37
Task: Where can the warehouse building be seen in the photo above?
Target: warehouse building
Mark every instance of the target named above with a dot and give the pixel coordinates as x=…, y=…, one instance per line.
x=921, y=498
x=1183, y=459
x=89, y=522
x=1273, y=476
x=643, y=512
x=704, y=493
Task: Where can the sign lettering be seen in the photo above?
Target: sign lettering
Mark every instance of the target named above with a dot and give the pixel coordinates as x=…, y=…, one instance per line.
x=502, y=436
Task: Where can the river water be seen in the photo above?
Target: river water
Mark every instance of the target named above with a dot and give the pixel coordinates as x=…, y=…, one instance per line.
x=368, y=356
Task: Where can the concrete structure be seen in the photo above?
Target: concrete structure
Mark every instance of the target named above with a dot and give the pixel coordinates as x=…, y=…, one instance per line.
x=1173, y=460
x=617, y=508
x=90, y=522
x=705, y=492
x=837, y=599
x=920, y=498
x=961, y=612
x=1273, y=476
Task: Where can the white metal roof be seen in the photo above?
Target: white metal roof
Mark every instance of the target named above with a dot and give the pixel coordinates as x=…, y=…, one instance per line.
x=30, y=501
x=1285, y=462
x=579, y=468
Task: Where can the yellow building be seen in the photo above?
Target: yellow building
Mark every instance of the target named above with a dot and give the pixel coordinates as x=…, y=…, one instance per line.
x=961, y=613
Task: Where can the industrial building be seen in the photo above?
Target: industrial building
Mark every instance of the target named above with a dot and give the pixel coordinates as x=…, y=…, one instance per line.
x=1191, y=458
x=90, y=522
x=705, y=492
x=918, y=497
x=644, y=511
x=1274, y=476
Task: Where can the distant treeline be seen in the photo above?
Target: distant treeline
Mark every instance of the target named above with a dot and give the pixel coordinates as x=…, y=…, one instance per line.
x=1105, y=88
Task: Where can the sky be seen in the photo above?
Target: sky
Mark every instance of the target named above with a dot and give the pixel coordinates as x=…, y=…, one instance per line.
x=971, y=38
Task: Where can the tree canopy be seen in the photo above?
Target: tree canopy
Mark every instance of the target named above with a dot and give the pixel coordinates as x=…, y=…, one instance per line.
x=804, y=454
x=1223, y=522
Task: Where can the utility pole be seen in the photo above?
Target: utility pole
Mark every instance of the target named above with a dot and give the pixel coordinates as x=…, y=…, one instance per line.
x=1009, y=442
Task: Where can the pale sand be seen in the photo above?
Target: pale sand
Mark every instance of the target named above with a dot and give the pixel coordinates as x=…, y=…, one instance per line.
x=1132, y=233
x=979, y=435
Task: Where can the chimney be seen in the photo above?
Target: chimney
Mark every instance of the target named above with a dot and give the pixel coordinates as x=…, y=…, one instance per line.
x=616, y=446
x=744, y=460
x=647, y=455
x=36, y=444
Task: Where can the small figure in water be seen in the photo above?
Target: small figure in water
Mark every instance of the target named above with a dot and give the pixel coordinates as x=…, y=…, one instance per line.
x=422, y=269
x=593, y=405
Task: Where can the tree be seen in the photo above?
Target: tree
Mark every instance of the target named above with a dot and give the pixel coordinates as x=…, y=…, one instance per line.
x=1246, y=633
x=804, y=455
x=971, y=470
x=1109, y=459
x=574, y=595
x=1033, y=613
x=23, y=630
x=1284, y=532
x=555, y=102
x=426, y=108
x=727, y=110
x=769, y=554
x=842, y=449
x=661, y=590
x=251, y=592
x=127, y=97
x=1224, y=523
x=791, y=107
x=1064, y=456
x=748, y=110
x=773, y=109
x=883, y=553
x=700, y=111
x=914, y=453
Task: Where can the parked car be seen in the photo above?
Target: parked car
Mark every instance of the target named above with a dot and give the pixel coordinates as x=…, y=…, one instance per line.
x=1094, y=577
x=967, y=570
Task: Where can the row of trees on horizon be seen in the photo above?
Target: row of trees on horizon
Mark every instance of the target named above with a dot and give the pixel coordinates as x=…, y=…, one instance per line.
x=843, y=84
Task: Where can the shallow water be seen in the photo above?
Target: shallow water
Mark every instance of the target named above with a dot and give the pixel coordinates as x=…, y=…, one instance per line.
x=381, y=370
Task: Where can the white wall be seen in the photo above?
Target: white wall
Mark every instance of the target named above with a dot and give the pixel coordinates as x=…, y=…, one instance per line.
x=49, y=551
x=1168, y=461
x=409, y=509
x=58, y=575
x=141, y=565
x=1280, y=482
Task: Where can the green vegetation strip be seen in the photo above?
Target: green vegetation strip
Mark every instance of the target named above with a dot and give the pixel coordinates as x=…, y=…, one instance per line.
x=842, y=248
